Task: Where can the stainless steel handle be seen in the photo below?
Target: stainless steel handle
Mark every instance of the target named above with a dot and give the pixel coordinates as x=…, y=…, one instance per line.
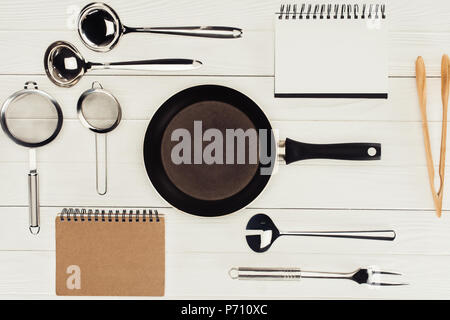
x=386, y=235
x=195, y=31
x=150, y=65
x=101, y=163
x=244, y=273
x=33, y=195
x=285, y=274
x=326, y=275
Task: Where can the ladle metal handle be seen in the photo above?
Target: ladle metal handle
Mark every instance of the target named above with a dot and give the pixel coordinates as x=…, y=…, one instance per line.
x=150, y=65
x=197, y=31
x=385, y=235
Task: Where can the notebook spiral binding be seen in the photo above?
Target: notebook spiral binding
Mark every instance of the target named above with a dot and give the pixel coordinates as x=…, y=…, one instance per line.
x=71, y=214
x=332, y=11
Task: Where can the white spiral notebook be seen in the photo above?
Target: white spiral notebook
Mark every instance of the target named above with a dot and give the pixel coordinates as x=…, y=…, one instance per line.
x=331, y=51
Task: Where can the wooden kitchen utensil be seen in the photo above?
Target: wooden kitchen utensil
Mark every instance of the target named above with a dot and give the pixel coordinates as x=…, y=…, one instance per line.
x=421, y=88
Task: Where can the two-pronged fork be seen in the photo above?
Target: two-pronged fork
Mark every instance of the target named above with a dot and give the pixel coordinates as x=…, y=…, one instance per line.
x=369, y=276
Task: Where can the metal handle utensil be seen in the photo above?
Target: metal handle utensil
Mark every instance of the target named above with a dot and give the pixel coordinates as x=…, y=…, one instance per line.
x=387, y=235
x=33, y=194
x=100, y=28
x=262, y=233
x=368, y=276
x=149, y=65
x=195, y=31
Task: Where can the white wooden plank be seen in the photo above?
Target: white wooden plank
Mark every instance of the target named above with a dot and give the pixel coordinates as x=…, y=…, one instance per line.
x=401, y=142
x=44, y=15
x=333, y=190
x=398, y=181
x=60, y=15
x=213, y=270
x=140, y=97
x=418, y=232
x=32, y=273
x=251, y=55
x=353, y=187
x=404, y=48
x=233, y=57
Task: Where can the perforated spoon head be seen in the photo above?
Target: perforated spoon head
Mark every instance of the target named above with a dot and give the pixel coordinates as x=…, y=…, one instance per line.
x=268, y=233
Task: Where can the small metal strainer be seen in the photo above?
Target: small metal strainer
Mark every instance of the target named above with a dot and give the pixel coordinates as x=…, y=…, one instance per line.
x=100, y=112
x=32, y=119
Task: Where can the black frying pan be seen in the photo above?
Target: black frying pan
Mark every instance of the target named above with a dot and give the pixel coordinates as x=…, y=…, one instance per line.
x=219, y=189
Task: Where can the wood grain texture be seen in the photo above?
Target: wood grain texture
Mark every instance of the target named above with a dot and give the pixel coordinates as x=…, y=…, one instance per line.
x=67, y=169
x=252, y=55
x=31, y=273
x=50, y=15
x=31, y=27
x=312, y=195
x=418, y=232
x=141, y=96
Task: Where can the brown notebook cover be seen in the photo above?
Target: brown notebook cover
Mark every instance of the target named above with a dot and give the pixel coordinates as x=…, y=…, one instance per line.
x=110, y=257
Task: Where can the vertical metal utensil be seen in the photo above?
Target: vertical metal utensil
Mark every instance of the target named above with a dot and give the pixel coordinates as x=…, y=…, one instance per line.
x=100, y=112
x=32, y=118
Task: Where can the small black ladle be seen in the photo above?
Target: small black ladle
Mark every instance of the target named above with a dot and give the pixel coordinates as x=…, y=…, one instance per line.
x=268, y=233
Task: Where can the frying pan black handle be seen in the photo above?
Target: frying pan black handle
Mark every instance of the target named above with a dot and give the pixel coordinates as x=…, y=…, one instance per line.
x=296, y=151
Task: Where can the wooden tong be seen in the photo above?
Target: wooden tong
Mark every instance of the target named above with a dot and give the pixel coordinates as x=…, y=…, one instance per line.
x=421, y=88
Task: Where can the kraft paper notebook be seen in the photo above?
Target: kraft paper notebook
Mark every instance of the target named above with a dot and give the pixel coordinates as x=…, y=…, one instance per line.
x=331, y=51
x=100, y=253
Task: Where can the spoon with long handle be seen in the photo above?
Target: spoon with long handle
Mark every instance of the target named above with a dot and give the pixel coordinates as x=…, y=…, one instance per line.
x=65, y=65
x=262, y=233
x=100, y=28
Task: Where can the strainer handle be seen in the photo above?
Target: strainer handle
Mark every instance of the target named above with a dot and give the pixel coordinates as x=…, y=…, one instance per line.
x=101, y=163
x=33, y=188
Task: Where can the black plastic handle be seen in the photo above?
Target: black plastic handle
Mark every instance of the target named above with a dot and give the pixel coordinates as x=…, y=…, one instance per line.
x=296, y=151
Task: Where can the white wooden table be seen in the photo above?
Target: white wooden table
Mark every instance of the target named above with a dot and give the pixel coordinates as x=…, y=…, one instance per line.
x=391, y=193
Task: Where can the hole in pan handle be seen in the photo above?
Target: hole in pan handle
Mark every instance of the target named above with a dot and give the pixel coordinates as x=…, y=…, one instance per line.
x=296, y=151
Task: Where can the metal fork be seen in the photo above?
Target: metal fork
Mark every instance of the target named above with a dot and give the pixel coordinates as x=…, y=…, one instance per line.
x=369, y=276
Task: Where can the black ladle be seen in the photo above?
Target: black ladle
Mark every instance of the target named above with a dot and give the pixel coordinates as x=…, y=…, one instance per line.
x=268, y=233
x=100, y=28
